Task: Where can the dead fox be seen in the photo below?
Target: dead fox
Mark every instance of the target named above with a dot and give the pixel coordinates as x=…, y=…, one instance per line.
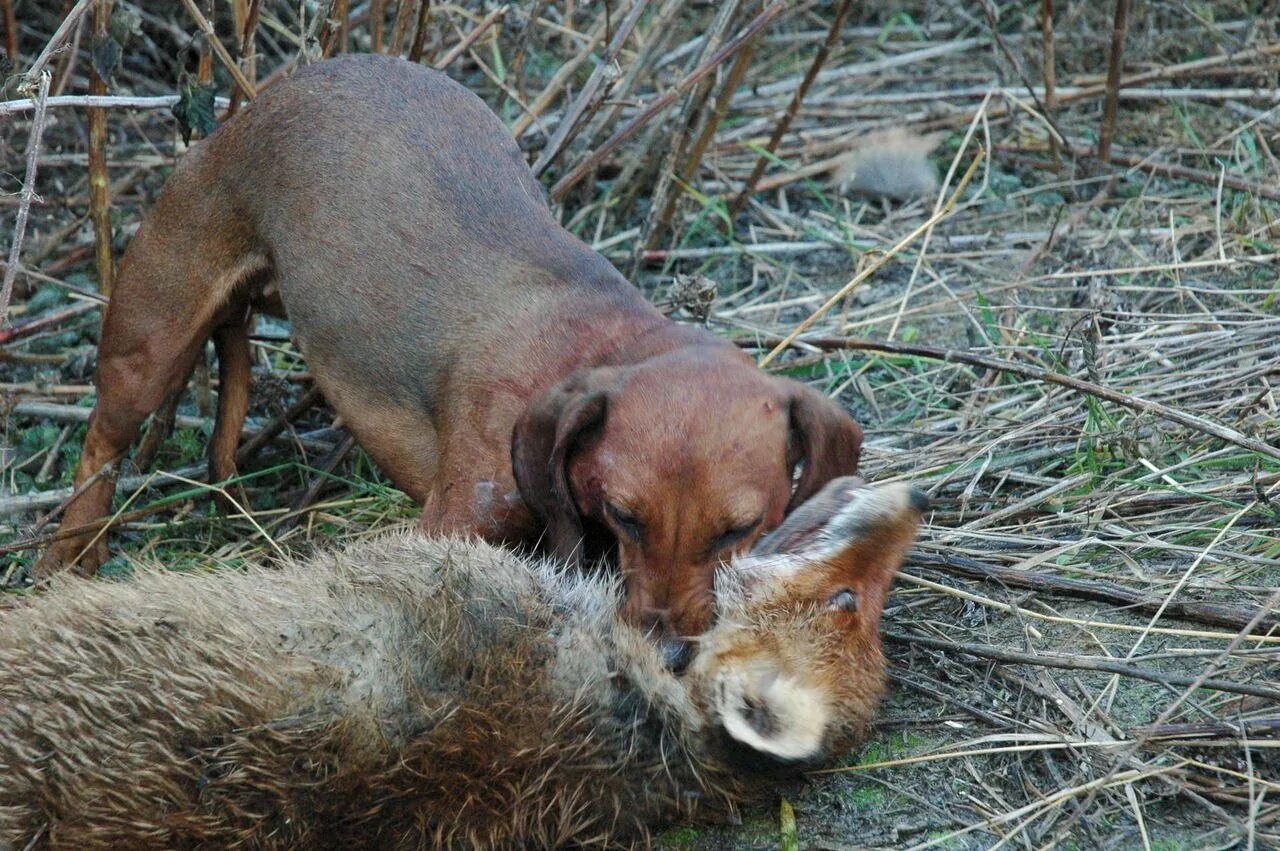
x=408, y=692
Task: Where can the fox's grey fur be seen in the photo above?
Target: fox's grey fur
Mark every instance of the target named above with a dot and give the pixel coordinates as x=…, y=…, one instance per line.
x=408, y=692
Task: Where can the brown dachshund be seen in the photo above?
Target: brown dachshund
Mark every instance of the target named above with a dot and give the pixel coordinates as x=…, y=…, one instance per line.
x=498, y=370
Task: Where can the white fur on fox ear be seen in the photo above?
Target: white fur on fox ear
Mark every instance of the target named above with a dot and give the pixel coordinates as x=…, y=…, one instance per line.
x=772, y=713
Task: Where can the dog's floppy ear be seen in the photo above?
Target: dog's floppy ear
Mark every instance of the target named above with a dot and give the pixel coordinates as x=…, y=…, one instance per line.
x=824, y=438
x=552, y=428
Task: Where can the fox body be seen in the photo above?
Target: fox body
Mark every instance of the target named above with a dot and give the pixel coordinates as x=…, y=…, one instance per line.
x=411, y=692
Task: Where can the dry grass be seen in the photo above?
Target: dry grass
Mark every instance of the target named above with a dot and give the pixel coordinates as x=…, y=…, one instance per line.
x=1087, y=643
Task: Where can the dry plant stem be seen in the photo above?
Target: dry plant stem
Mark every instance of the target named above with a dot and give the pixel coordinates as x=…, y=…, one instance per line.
x=603, y=114
x=784, y=124
x=24, y=198
x=1048, y=68
x=1115, y=62
x=556, y=86
x=1076, y=663
x=1195, y=175
x=570, y=124
x=377, y=19
x=10, y=32
x=665, y=195
x=875, y=266
x=67, y=58
x=99, y=182
x=737, y=72
x=161, y=426
x=471, y=38
x=1017, y=69
x=420, y=33
x=204, y=70
x=31, y=79
x=1089, y=589
x=13, y=107
x=327, y=466
x=1036, y=373
x=335, y=28
x=248, y=39
x=225, y=58
x=50, y=320
x=400, y=27
x=516, y=66
x=629, y=129
x=254, y=444
x=1199, y=682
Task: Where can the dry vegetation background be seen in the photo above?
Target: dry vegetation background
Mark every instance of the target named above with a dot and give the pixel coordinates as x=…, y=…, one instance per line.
x=1079, y=359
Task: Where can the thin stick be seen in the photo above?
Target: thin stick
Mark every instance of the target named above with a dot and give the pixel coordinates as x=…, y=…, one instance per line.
x=10, y=32
x=268, y=432
x=1114, y=65
x=325, y=468
x=665, y=196
x=629, y=129
x=24, y=198
x=819, y=59
x=1078, y=663
x=420, y=34
x=225, y=58
x=248, y=53
x=49, y=320
x=1195, y=175
x=204, y=68
x=400, y=26
x=470, y=39
x=556, y=86
x=879, y=262
x=1036, y=373
x=99, y=181
x=1048, y=68
x=335, y=28
x=13, y=107
x=1214, y=614
x=569, y=125
x=377, y=19
x=31, y=80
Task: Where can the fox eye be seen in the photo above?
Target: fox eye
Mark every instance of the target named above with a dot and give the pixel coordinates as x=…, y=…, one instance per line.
x=844, y=600
x=625, y=521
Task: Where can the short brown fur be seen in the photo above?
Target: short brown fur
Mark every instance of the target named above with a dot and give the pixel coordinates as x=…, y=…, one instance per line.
x=466, y=339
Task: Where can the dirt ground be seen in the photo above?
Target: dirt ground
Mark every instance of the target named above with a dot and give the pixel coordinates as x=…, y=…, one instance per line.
x=1079, y=362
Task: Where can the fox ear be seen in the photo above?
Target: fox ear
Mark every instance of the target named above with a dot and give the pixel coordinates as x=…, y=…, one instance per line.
x=806, y=525
x=848, y=527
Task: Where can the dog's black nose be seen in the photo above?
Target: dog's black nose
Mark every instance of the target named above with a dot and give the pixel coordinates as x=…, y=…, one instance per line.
x=677, y=653
x=919, y=500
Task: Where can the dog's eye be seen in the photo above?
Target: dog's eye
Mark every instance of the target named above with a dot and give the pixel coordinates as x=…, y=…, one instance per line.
x=845, y=600
x=625, y=521
x=729, y=537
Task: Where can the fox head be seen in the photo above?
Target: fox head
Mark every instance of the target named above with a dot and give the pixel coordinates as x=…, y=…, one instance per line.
x=793, y=669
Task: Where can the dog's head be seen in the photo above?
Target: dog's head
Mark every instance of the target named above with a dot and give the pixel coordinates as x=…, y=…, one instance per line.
x=681, y=462
x=793, y=670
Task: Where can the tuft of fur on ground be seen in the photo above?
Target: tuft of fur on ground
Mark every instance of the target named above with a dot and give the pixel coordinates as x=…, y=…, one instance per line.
x=892, y=163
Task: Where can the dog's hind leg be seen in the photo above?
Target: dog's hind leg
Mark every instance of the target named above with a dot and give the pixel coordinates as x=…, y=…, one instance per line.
x=180, y=278
x=231, y=340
